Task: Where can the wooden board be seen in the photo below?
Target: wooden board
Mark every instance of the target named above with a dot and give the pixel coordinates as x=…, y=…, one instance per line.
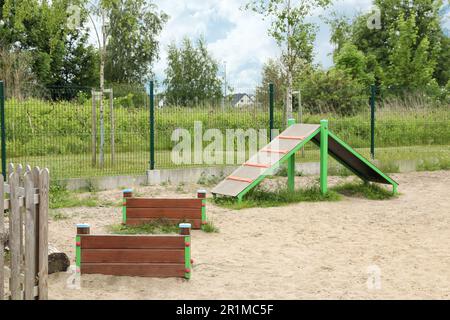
x=163, y=270
x=131, y=242
x=140, y=256
x=163, y=203
x=132, y=256
x=169, y=213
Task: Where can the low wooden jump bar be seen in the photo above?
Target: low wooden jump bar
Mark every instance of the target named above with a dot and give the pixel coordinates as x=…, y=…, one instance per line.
x=138, y=211
x=159, y=256
x=239, y=179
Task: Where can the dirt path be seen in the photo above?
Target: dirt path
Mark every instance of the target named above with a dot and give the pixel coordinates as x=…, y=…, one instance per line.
x=303, y=251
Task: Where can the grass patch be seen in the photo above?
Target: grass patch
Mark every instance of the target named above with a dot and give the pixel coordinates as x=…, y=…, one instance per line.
x=209, y=227
x=364, y=190
x=157, y=227
x=266, y=199
x=60, y=197
x=58, y=216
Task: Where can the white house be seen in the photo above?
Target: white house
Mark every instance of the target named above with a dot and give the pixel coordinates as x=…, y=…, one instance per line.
x=242, y=100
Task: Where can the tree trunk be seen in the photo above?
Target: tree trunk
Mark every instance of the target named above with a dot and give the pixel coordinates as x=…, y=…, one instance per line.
x=102, y=116
x=289, y=113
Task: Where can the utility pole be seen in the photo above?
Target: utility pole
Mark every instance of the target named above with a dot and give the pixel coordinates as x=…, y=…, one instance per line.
x=300, y=112
x=225, y=80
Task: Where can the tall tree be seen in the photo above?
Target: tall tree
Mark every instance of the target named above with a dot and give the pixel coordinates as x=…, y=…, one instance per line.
x=134, y=26
x=60, y=53
x=293, y=34
x=379, y=44
x=191, y=74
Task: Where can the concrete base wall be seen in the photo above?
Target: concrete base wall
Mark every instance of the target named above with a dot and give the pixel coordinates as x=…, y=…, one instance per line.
x=196, y=175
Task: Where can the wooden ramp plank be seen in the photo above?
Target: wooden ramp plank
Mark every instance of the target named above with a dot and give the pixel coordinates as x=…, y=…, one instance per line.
x=278, y=147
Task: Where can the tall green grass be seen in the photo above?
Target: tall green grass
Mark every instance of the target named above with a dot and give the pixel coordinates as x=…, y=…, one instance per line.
x=58, y=134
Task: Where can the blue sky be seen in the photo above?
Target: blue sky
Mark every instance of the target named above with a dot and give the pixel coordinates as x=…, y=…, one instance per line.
x=238, y=37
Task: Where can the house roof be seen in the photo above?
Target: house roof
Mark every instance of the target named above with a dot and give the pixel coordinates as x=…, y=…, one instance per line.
x=238, y=96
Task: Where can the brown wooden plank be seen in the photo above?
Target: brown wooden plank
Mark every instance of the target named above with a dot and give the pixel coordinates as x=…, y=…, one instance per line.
x=168, y=213
x=163, y=203
x=161, y=270
x=44, y=183
x=132, y=256
x=196, y=223
x=30, y=237
x=131, y=242
x=14, y=238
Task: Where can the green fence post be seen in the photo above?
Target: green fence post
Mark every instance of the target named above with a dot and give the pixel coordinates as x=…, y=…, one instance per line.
x=3, y=128
x=372, y=120
x=152, y=125
x=324, y=156
x=291, y=165
x=271, y=108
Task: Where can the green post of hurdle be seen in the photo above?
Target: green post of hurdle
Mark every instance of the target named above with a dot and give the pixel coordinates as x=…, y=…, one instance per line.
x=82, y=229
x=324, y=156
x=291, y=165
x=185, y=230
x=127, y=193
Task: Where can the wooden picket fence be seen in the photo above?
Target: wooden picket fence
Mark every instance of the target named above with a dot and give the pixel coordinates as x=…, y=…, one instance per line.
x=24, y=234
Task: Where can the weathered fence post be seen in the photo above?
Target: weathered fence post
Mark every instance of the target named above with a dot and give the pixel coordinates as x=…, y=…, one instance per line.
x=152, y=125
x=3, y=129
x=14, y=236
x=30, y=238
x=44, y=187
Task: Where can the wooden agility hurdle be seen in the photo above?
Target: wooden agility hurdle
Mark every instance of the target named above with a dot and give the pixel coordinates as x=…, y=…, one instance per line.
x=159, y=256
x=138, y=211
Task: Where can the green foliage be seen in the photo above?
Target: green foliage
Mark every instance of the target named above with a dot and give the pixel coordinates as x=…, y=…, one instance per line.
x=157, y=227
x=353, y=62
x=410, y=51
x=133, y=44
x=259, y=198
x=209, y=227
x=333, y=91
x=60, y=197
x=191, y=75
x=364, y=190
x=60, y=54
x=58, y=215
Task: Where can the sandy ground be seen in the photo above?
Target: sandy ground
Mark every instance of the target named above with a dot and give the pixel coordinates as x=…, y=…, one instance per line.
x=302, y=251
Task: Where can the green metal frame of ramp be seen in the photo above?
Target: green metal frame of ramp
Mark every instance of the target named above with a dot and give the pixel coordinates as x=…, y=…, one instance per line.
x=285, y=146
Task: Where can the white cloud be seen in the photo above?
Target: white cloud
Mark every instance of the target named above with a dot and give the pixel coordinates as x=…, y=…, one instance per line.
x=237, y=36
